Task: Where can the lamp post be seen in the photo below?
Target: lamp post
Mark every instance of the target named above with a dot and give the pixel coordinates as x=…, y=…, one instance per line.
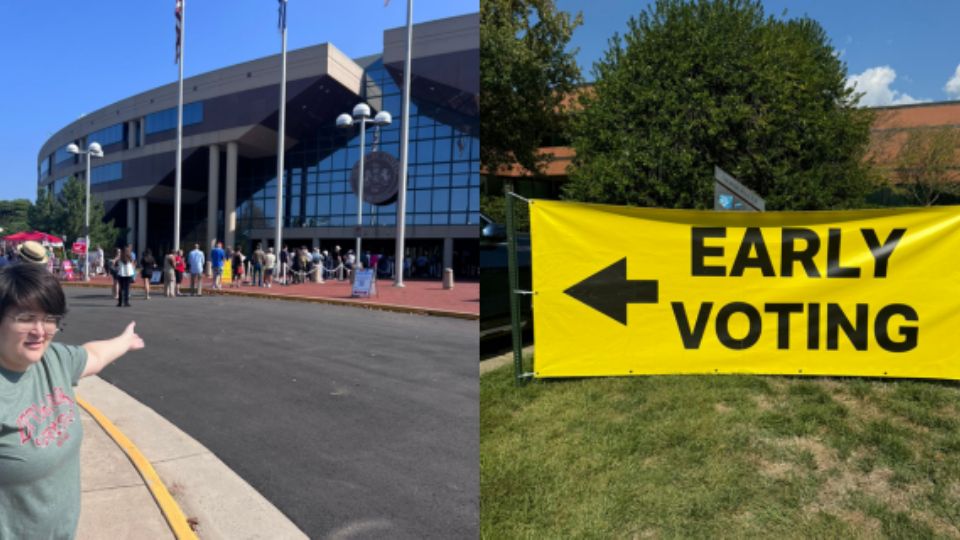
x=361, y=115
x=92, y=150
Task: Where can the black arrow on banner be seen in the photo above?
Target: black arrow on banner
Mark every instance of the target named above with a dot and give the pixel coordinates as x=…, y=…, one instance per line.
x=609, y=291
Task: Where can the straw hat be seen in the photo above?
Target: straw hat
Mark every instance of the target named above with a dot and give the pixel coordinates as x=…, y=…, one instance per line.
x=31, y=251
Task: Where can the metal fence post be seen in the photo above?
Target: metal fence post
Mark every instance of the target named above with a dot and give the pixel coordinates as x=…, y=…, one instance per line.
x=513, y=276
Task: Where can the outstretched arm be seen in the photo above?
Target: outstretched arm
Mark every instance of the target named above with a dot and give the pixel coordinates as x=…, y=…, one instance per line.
x=101, y=353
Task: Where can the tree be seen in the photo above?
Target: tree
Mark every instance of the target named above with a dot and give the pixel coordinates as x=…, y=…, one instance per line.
x=693, y=85
x=47, y=214
x=525, y=74
x=64, y=214
x=927, y=165
x=13, y=215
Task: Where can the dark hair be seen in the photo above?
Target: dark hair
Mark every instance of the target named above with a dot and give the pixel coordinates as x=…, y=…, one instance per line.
x=31, y=286
x=125, y=256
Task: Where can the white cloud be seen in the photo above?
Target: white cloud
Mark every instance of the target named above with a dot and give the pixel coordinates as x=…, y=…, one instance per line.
x=875, y=83
x=953, y=85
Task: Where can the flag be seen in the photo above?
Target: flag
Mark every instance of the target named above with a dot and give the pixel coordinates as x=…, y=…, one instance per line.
x=282, y=22
x=178, y=13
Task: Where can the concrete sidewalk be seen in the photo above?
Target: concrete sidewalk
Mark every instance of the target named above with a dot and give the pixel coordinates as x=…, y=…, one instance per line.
x=424, y=297
x=116, y=502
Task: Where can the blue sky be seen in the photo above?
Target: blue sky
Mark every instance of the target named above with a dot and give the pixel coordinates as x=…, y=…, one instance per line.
x=896, y=51
x=62, y=59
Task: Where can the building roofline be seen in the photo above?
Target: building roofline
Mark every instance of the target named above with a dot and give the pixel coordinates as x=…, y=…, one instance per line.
x=347, y=71
x=955, y=102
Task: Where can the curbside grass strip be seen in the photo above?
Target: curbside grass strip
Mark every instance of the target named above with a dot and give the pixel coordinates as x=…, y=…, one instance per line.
x=175, y=517
x=319, y=300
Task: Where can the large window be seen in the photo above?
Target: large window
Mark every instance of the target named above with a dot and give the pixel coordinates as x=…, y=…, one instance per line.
x=108, y=135
x=106, y=173
x=44, y=167
x=58, y=185
x=61, y=155
x=443, y=182
x=167, y=119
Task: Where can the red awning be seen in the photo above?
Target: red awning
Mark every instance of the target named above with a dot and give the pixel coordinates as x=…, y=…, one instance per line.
x=36, y=236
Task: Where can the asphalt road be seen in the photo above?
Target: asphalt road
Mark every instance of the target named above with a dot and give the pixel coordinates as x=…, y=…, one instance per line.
x=355, y=423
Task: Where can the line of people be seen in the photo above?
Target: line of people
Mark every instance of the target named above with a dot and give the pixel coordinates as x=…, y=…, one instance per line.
x=261, y=269
x=124, y=268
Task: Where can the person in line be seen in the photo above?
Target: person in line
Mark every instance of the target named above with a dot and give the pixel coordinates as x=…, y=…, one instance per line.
x=217, y=258
x=269, y=264
x=295, y=266
x=338, y=262
x=236, y=264
x=125, y=274
x=113, y=273
x=327, y=264
x=170, y=274
x=348, y=262
x=180, y=267
x=41, y=436
x=256, y=278
x=284, y=264
x=196, y=260
x=318, y=264
x=147, y=265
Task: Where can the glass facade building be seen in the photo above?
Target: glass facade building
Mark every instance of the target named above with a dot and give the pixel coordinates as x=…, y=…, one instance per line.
x=229, y=165
x=443, y=177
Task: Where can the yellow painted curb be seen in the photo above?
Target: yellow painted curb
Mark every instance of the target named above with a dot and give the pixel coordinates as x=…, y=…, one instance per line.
x=171, y=510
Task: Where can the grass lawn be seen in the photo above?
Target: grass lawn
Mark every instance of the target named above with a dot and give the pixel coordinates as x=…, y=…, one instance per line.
x=719, y=456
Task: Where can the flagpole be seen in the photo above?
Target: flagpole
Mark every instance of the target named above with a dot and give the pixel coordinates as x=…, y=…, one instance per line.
x=177, y=182
x=404, y=144
x=281, y=128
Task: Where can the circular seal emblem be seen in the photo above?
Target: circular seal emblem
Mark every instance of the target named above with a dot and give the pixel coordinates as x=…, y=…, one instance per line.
x=381, y=178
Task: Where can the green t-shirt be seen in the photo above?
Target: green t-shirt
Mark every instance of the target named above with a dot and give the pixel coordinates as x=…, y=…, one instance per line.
x=40, y=435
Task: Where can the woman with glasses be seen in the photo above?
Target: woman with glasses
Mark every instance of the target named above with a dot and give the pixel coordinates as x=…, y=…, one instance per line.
x=40, y=429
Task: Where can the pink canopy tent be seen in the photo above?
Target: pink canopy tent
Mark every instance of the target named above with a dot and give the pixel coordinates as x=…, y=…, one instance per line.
x=37, y=236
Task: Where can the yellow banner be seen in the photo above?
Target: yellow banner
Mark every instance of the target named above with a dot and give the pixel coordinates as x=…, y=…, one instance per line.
x=631, y=291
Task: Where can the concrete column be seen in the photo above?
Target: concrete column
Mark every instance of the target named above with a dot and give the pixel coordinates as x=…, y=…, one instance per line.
x=131, y=223
x=230, y=197
x=131, y=134
x=213, y=193
x=141, y=225
x=448, y=252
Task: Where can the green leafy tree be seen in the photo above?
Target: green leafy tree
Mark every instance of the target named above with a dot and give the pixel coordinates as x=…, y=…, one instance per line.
x=64, y=214
x=13, y=215
x=693, y=85
x=47, y=214
x=526, y=73
x=928, y=165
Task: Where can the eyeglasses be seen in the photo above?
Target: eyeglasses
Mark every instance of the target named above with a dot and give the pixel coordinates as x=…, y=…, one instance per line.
x=25, y=322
